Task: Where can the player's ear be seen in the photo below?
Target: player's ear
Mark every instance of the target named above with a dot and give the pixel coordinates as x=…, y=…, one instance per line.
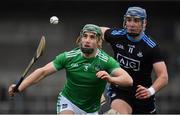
x=144, y=24
x=78, y=41
x=124, y=24
x=99, y=42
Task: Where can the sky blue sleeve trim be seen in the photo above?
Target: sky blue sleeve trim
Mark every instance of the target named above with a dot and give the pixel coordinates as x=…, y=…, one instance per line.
x=149, y=41
x=118, y=32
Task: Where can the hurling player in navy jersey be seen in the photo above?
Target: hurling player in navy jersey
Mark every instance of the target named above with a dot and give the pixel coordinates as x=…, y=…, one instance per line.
x=138, y=54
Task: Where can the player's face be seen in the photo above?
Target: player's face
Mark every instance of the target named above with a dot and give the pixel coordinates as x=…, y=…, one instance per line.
x=133, y=24
x=89, y=40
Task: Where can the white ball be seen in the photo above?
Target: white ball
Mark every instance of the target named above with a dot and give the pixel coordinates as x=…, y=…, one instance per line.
x=54, y=20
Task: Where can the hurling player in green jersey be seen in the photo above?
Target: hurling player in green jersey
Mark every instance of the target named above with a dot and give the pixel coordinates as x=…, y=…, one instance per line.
x=88, y=69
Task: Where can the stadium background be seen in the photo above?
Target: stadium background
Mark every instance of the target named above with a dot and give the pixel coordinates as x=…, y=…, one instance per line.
x=23, y=23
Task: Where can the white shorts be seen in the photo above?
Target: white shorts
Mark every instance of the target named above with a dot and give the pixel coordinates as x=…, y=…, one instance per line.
x=64, y=104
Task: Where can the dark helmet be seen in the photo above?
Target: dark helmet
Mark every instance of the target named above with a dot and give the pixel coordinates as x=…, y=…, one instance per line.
x=137, y=12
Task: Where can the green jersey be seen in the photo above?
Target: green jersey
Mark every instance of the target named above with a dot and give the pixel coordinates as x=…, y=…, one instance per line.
x=82, y=87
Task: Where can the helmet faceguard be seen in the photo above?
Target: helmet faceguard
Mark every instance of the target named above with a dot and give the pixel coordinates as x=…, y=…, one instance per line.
x=93, y=29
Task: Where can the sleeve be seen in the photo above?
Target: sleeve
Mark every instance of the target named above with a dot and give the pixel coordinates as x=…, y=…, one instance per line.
x=112, y=65
x=157, y=55
x=107, y=35
x=59, y=61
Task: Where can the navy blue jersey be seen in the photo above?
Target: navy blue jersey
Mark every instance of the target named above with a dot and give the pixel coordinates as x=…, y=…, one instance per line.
x=135, y=56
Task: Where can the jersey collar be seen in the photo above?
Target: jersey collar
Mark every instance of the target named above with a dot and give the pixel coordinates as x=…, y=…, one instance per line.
x=137, y=40
x=98, y=50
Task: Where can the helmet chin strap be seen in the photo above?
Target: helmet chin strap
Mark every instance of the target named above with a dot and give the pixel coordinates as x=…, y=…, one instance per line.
x=133, y=34
x=87, y=50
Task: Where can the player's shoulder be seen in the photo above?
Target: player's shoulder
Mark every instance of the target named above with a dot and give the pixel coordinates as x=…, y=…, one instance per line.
x=72, y=53
x=103, y=55
x=149, y=41
x=117, y=31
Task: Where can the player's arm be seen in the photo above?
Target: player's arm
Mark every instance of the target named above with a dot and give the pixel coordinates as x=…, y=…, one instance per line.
x=103, y=29
x=161, y=81
x=34, y=77
x=118, y=77
x=162, y=75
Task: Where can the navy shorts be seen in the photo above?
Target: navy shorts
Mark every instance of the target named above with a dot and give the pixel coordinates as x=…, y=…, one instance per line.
x=146, y=106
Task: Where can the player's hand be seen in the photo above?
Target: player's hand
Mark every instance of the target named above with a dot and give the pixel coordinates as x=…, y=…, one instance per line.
x=142, y=92
x=104, y=75
x=11, y=90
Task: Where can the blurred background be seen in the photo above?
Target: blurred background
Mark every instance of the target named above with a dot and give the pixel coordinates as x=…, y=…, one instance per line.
x=23, y=23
